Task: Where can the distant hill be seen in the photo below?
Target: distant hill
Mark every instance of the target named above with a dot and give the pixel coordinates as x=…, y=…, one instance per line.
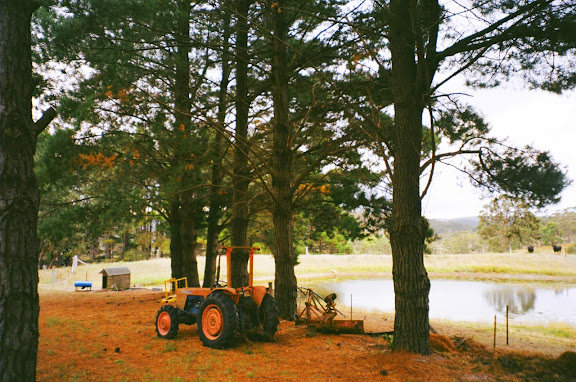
x=444, y=226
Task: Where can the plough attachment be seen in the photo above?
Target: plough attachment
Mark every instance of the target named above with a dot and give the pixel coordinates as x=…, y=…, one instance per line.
x=320, y=313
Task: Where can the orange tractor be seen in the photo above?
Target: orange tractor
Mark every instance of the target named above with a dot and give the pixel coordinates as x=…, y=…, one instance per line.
x=221, y=311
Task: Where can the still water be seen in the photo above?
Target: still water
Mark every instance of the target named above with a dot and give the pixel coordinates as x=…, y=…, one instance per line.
x=466, y=300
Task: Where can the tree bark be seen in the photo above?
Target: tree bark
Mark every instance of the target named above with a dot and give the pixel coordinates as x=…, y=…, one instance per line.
x=215, y=213
x=19, y=197
x=407, y=228
x=282, y=163
x=284, y=261
x=175, y=223
x=241, y=180
x=189, y=238
x=188, y=212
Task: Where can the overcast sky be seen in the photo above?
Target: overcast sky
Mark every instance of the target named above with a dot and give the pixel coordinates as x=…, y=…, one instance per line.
x=541, y=119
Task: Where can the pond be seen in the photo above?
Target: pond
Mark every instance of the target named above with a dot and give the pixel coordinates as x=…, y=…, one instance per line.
x=465, y=300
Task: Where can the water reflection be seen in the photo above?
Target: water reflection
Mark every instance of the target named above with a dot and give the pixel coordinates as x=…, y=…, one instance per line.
x=518, y=300
x=465, y=300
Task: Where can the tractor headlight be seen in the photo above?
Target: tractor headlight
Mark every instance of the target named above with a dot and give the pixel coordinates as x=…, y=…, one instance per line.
x=246, y=293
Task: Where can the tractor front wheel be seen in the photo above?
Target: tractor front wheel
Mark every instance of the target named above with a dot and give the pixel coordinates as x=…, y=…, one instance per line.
x=218, y=321
x=167, y=322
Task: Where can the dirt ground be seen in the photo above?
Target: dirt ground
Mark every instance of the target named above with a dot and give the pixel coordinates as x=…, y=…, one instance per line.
x=110, y=336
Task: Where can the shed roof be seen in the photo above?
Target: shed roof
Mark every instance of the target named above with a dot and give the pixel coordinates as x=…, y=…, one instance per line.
x=115, y=271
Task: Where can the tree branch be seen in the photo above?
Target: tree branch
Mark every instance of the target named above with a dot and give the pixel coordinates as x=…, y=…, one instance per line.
x=433, y=159
x=471, y=42
x=45, y=120
x=438, y=157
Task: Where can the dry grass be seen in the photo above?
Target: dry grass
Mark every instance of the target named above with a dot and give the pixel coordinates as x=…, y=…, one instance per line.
x=551, y=339
x=514, y=266
x=154, y=272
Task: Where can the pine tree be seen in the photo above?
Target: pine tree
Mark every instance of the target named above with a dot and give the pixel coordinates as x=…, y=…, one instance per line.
x=19, y=307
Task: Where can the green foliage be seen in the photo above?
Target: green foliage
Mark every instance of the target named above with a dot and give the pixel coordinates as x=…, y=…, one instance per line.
x=460, y=243
x=262, y=246
x=528, y=175
x=82, y=209
x=429, y=237
x=560, y=227
x=373, y=245
x=546, y=30
x=461, y=124
x=551, y=233
x=342, y=200
x=326, y=244
x=507, y=224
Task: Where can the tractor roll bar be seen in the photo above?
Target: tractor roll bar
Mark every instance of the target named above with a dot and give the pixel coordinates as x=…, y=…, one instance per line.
x=229, y=249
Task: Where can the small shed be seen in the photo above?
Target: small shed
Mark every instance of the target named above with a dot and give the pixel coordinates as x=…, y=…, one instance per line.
x=115, y=278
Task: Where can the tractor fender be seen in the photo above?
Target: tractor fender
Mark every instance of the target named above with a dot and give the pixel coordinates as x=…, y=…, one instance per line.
x=230, y=292
x=258, y=293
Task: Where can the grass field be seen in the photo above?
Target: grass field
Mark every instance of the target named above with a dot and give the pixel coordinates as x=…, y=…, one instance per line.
x=514, y=264
x=521, y=267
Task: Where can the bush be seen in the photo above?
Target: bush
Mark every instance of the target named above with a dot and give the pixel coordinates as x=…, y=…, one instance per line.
x=345, y=249
x=459, y=243
x=571, y=249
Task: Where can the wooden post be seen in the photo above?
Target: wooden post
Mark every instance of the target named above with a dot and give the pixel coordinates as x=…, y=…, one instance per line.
x=251, y=267
x=494, y=332
x=350, y=306
x=507, y=343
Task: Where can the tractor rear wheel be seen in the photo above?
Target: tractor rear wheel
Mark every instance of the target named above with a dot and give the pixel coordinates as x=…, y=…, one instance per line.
x=218, y=321
x=269, y=317
x=167, y=322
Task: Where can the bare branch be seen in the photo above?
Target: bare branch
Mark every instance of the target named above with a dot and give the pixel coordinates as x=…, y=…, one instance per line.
x=45, y=120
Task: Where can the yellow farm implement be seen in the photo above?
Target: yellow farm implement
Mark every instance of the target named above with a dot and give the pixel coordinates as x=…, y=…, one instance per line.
x=171, y=287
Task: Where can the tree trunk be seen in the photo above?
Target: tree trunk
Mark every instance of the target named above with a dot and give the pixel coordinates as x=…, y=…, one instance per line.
x=150, y=241
x=187, y=211
x=93, y=251
x=282, y=160
x=211, y=252
x=215, y=213
x=241, y=181
x=126, y=243
x=407, y=230
x=284, y=261
x=19, y=197
x=175, y=223
x=189, y=239
x=107, y=248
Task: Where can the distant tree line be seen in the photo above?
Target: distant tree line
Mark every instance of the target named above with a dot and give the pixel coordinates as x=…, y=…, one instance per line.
x=506, y=226
x=489, y=233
